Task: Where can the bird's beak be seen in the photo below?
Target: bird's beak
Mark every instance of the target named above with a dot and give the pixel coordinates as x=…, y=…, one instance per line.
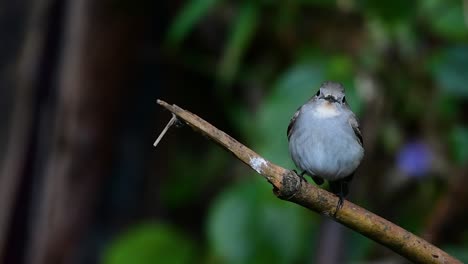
x=331, y=99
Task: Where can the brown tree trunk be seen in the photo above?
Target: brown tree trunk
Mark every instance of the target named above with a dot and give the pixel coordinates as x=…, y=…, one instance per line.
x=95, y=60
x=17, y=167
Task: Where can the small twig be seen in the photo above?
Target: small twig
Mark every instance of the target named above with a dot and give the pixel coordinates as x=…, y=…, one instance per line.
x=169, y=124
x=288, y=185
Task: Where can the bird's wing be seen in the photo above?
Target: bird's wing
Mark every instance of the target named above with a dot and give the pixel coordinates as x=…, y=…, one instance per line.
x=292, y=122
x=355, y=125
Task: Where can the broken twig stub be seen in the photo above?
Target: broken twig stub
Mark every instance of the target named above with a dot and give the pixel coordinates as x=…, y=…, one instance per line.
x=169, y=124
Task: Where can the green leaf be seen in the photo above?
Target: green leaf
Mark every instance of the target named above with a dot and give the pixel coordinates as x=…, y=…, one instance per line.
x=449, y=70
x=184, y=22
x=327, y=3
x=247, y=224
x=340, y=67
x=445, y=18
x=459, y=140
x=191, y=183
x=240, y=37
x=448, y=106
x=229, y=226
x=458, y=252
x=388, y=10
x=359, y=246
x=151, y=243
x=391, y=137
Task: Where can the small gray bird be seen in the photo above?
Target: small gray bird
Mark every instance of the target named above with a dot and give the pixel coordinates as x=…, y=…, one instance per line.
x=325, y=141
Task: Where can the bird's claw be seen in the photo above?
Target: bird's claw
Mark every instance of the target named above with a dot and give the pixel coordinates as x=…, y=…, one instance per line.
x=319, y=181
x=301, y=175
x=339, y=205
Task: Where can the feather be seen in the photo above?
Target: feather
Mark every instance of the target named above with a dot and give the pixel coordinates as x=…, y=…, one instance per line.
x=292, y=122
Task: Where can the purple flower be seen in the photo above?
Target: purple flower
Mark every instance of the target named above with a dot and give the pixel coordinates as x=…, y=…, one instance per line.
x=414, y=159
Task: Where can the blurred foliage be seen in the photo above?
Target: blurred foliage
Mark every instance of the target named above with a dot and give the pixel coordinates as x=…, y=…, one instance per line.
x=389, y=11
x=417, y=55
x=192, y=183
x=151, y=243
x=445, y=18
x=187, y=19
x=459, y=140
x=460, y=252
x=240, y=37
x=249, y=225
x=450, y=71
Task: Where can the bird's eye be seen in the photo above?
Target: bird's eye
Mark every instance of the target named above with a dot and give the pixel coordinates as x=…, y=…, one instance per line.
x=318, y=93
x=343, y=100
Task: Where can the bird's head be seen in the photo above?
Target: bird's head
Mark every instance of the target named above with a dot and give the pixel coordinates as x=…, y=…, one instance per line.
x=332, y=92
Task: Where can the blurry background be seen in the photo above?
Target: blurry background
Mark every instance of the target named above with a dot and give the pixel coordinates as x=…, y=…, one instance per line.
x=81, y=183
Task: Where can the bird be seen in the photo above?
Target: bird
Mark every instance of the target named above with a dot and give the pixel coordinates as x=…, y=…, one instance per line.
x=325, y=141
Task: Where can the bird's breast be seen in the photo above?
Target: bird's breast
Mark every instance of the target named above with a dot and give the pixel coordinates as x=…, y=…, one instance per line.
x=326, y=110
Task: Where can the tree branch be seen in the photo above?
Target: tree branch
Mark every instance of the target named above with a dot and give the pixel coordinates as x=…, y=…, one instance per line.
x=289, y=186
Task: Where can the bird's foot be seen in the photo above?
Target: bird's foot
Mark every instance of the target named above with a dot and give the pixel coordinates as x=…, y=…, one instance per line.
x=339, y=205
x=301, y=175
x=319, y=181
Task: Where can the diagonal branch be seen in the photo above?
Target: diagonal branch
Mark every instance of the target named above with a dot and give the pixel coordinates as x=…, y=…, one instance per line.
x=289, y=186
